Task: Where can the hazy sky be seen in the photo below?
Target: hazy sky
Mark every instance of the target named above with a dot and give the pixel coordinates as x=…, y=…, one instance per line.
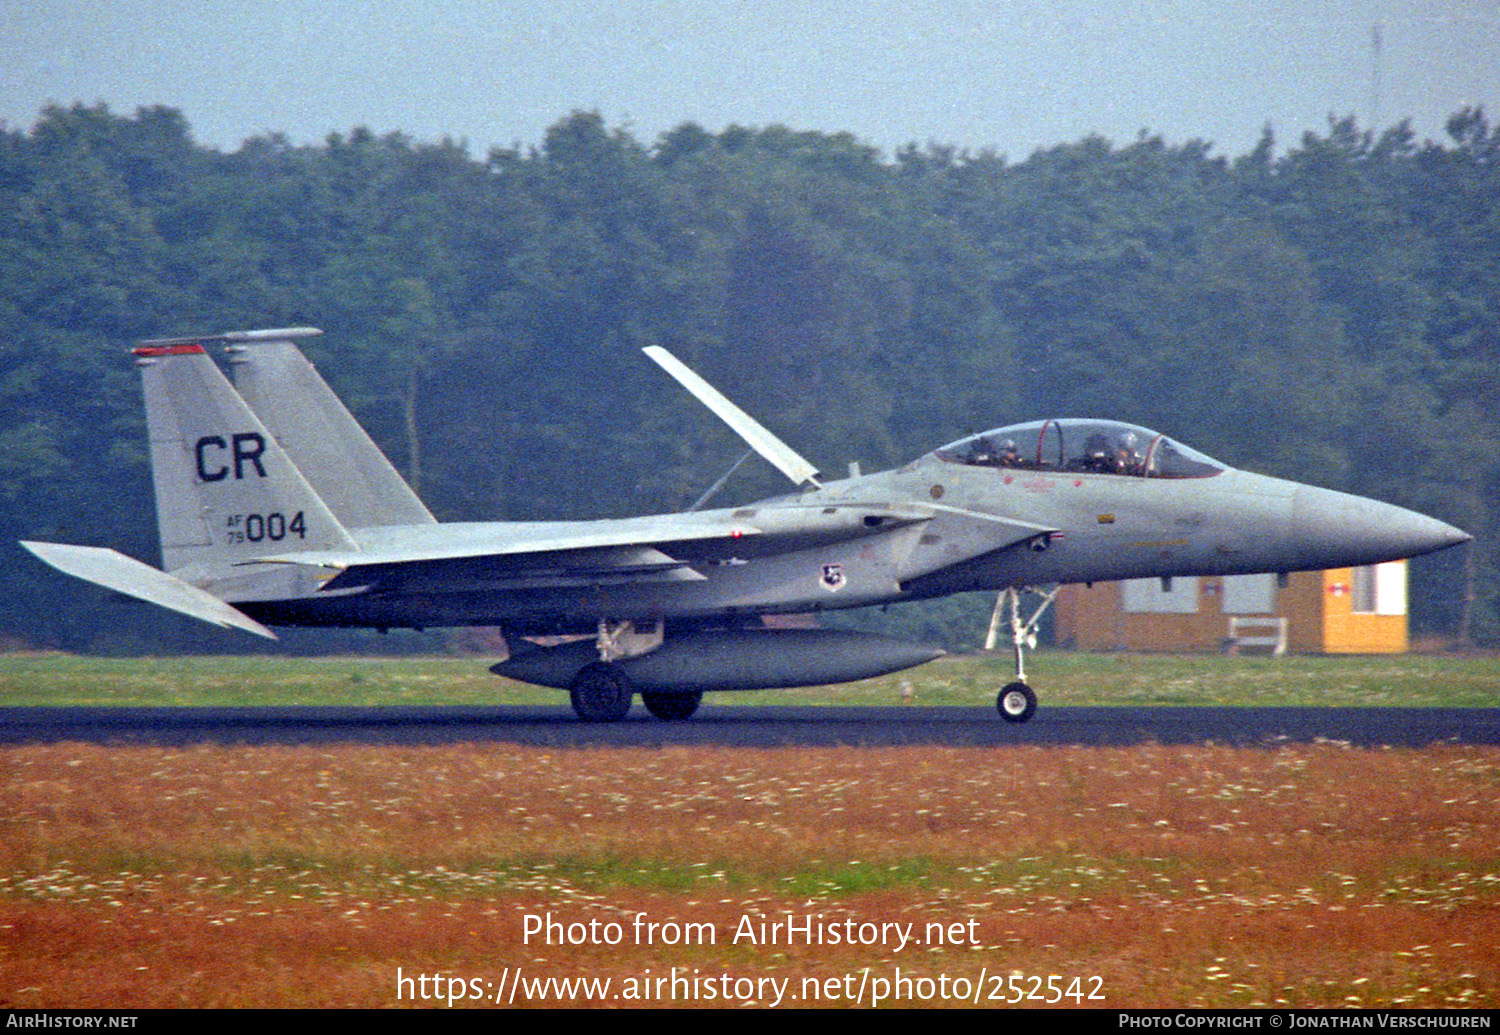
x=1008, y=75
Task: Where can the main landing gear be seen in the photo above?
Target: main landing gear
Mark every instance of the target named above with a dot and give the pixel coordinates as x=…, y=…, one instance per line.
x=1016, y=701
x=671, y=707
x=601, y=692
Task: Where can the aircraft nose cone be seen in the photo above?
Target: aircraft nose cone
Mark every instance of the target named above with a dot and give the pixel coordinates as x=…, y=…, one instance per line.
x=1337, y=530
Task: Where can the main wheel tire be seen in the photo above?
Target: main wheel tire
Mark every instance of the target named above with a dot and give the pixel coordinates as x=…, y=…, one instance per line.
x=600, y=693
x=671, y=707
x=1016, y=702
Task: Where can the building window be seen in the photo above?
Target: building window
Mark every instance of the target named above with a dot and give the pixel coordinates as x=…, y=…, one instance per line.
x=1378, y=589
x=1146, y=596
x=1362, y=590
x=1248, y=594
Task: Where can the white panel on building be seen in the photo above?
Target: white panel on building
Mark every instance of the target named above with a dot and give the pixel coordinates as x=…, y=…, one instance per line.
x=1249, y=594
x=1390, y=588
x=1378, y=589
x=1145, y=596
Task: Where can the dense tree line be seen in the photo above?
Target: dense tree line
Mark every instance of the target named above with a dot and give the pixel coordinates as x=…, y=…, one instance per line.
x=1328, y=312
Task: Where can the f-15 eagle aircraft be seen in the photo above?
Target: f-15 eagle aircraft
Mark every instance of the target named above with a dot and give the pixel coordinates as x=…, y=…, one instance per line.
x=275, y=508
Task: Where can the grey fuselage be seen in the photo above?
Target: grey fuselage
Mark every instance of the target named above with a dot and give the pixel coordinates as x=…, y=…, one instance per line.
x=931, y=528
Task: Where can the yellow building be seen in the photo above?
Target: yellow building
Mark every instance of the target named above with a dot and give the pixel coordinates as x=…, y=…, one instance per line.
x=1340, y=611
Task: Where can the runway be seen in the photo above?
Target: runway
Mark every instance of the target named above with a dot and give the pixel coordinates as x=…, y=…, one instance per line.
x=753, y=726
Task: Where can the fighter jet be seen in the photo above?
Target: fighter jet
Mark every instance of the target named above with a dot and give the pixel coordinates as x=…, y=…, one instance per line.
x=276, y=509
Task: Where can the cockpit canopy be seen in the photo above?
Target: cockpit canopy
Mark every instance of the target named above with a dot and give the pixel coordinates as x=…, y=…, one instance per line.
x=1087, y=446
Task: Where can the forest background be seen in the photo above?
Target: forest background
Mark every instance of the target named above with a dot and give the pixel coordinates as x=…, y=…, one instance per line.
x=1328, y=312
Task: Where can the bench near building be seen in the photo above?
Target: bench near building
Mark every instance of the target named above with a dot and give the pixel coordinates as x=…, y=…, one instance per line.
x=1340, y=611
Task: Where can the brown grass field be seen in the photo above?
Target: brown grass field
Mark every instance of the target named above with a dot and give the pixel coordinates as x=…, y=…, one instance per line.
x=1310, y=876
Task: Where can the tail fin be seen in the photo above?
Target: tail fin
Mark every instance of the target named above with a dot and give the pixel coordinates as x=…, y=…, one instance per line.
x=226, y=492
x=338, y=459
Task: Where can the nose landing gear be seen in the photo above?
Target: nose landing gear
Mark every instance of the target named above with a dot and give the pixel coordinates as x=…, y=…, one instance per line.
x=1016, y=701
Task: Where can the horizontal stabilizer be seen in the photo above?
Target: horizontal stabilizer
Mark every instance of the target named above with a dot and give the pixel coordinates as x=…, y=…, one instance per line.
x=113, y=570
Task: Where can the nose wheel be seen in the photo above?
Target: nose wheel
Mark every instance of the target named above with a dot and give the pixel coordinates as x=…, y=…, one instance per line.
x=1016, y=702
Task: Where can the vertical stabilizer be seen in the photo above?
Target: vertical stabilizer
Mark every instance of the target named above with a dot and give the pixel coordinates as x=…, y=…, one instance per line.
x=338, y=459
x=226, y=492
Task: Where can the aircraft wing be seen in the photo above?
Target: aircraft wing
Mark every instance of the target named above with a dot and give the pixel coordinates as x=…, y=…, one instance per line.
x=662, y=548
x=558, y=554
